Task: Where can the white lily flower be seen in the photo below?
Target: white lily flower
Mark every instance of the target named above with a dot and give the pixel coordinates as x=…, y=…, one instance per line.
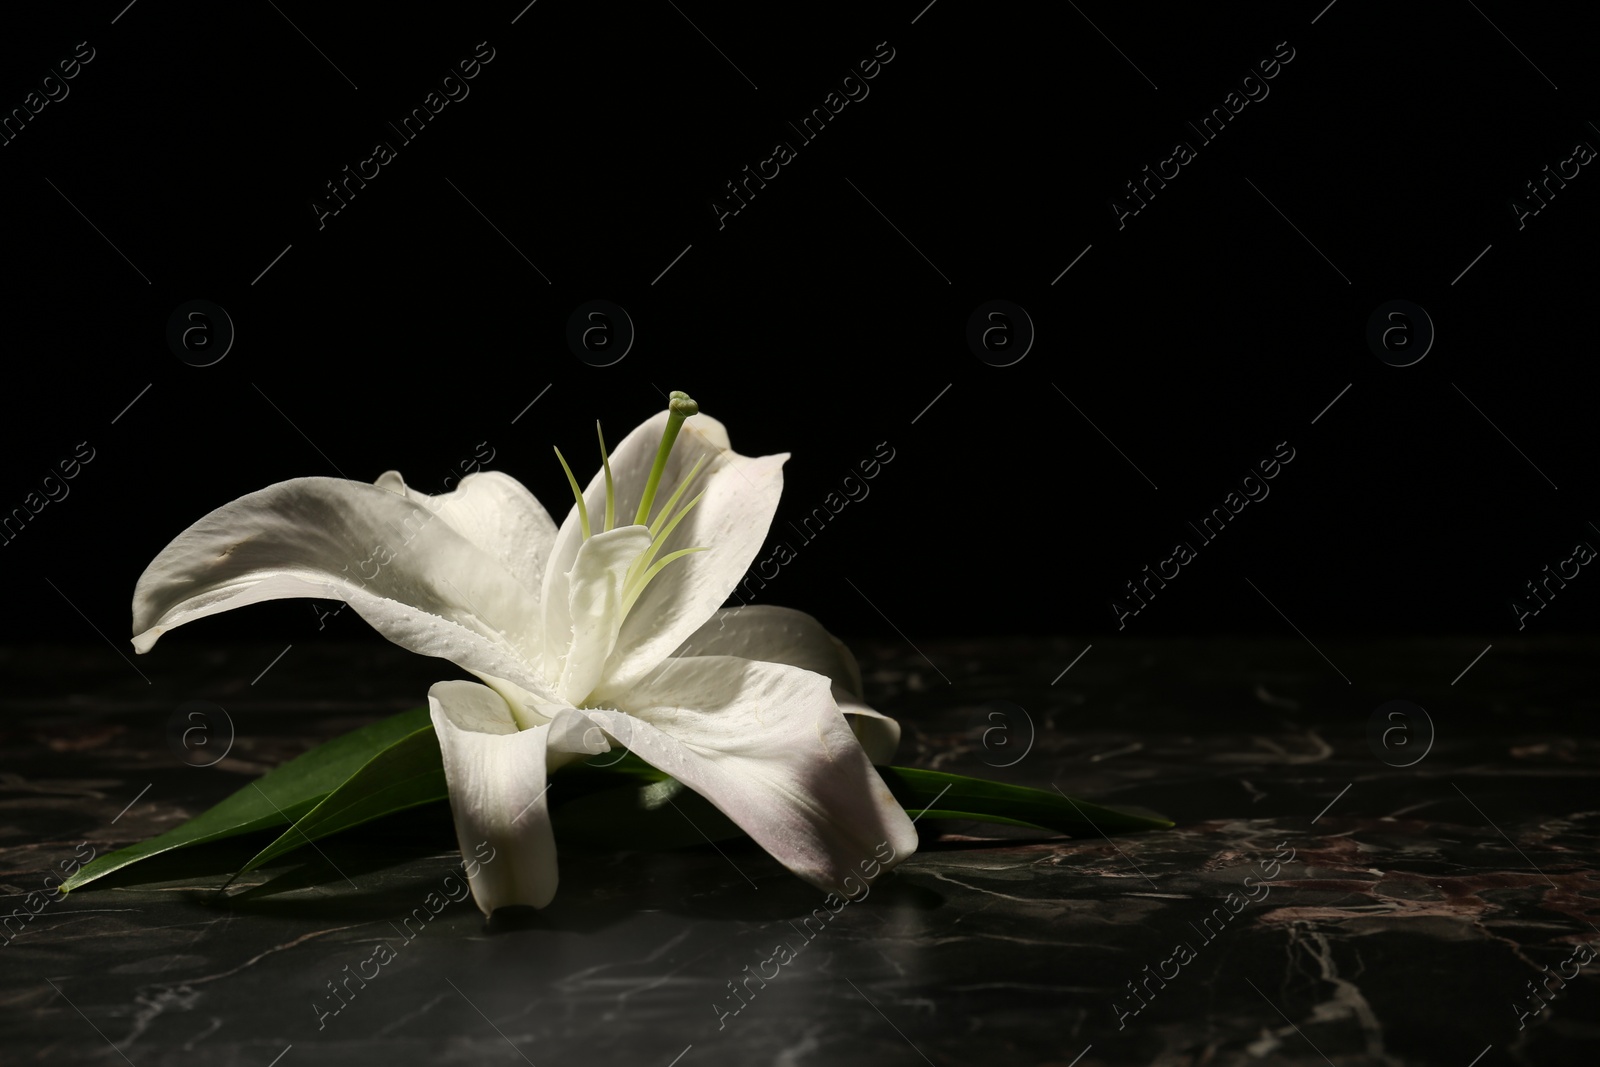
x=583, y=636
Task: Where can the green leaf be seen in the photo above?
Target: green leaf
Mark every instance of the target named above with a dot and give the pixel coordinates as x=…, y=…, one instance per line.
x=955, y=796
x=618, y=801
x=408, y=773
x=276, y=798
x=612, y=801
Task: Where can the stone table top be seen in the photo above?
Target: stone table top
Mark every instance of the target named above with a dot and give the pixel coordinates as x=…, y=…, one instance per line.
x=1350, y=881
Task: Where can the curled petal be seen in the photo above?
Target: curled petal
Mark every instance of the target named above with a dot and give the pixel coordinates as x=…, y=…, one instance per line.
x=414, y=578
x=878, y=733
x=497, y=776
x=731, y=520
x=766, y=744
x=594, y=606
x=497, y=513
x=784, y=635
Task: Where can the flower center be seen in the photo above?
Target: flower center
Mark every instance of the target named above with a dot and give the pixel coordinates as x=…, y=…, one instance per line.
x=643, y=569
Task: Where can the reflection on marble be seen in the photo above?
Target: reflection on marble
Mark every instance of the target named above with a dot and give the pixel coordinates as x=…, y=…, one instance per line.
x=1315, y=904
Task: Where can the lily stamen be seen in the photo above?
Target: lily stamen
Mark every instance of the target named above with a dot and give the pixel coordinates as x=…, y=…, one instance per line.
x=672, y=501
x=640, y=573
x=605, y=461
x=577, y=494
x=679, y=408
x=629, y=600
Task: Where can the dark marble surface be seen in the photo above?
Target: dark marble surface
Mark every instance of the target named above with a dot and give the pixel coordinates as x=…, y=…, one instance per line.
x=1418, y=905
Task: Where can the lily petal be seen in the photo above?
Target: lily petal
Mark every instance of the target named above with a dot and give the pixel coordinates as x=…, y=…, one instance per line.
x=765, y=743
x=417, y=581
x=496, y=774
x=740, y=498
x=784, y=635
x=498, y=514
x=528, y=709
x=631, y=462
x=594, y=606
x=732, y=518
x=878, y=733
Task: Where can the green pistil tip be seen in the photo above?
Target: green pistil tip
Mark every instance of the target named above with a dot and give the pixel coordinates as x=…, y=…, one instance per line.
x=679, y=407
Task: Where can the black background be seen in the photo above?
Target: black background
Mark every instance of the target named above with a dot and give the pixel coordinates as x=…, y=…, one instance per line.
x=828, y=315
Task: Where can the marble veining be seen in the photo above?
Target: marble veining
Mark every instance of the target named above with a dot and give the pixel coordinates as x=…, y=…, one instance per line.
x=1314, y=905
